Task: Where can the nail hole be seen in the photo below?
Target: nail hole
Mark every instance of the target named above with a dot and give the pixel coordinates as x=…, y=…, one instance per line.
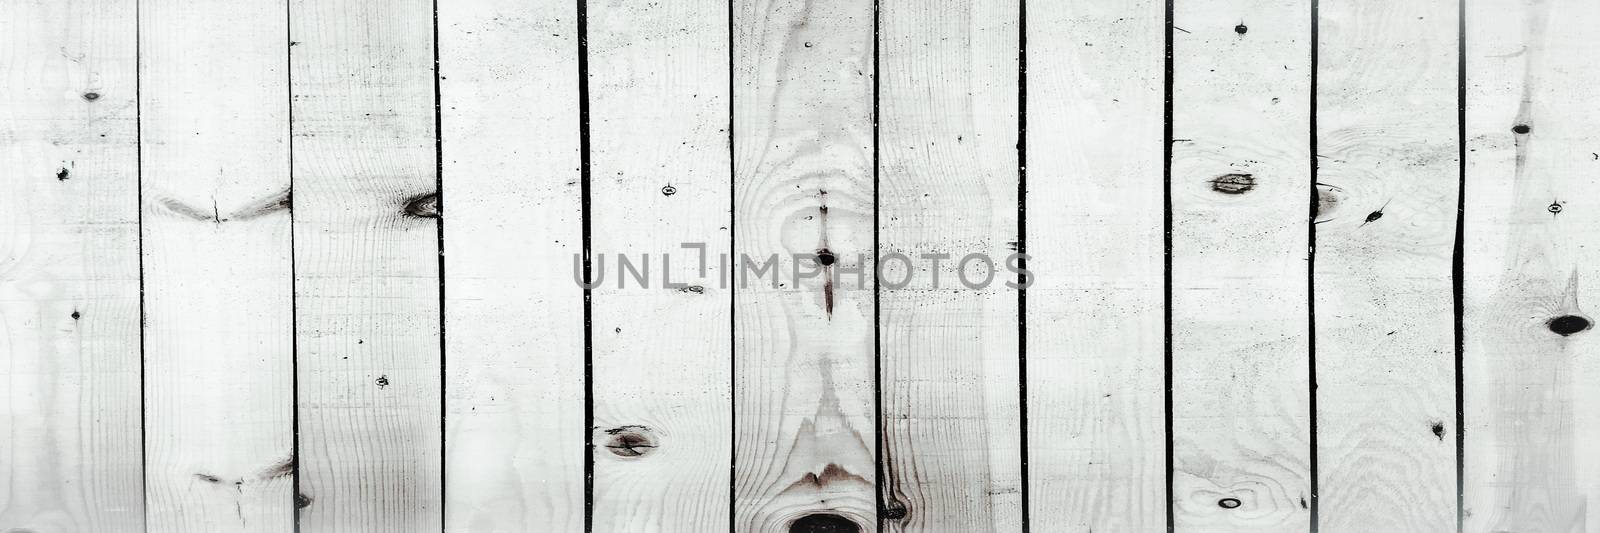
x=61, y=174
x=91, y=96
x=1555, y=207
x=1438, y=429
x=383, y=381
x=824, y=523
x=1229, y=503
x=825, y=257
x=669, y=190
x=1240, y=29
x=1568, y=324
x=76, y=315
x=1521, y=129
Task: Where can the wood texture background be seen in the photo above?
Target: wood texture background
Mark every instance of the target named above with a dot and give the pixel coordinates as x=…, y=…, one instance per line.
x=1293, y=265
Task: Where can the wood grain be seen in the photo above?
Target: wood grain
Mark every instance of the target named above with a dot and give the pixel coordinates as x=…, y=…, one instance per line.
x=1388, y=168
x=1096, y=443
x=948, y=186
x=366, y=266
x=803, y=183
x=69, y=268
x=1241, y=189
x=658, y=75
x=1530, y=257
x=513, y=312
x=218, y=280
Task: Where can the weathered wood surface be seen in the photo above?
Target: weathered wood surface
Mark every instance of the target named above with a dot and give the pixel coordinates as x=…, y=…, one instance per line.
x=1387, y=166
x=1241, y=189
x=1095, y=329
x=366, y=265
x=804, y=391
x=660, y=195
x=1530, y=375
x=514, y=419
x=218, y=281
x=69, y=268
x=187, y=351
x=948, y=174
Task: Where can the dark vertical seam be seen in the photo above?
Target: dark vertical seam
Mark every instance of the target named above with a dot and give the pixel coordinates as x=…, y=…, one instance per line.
x=1166, y=261
x=438, y=191
x=1458, y=261
x=733, y=292
x=880, y=472
x=294, y=282
x=1311, y=268
x=138, y=158
x=1022, y=251
x=588, y=293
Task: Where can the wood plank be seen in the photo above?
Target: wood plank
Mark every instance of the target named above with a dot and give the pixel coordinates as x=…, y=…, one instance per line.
x=1241, y=189
x=366, y=266
x=803, y=184
x=1097, y=441
x=658, y=89
x=69, y=268
x=948, y=185
x=514, y=374
x=219, y=369
x=1388, y=165
x=1530, y=256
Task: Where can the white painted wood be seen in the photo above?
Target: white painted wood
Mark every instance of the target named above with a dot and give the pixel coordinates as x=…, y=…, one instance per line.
x=1240, y=338
x=1531, y=255
x=948, y=185
x=803, y=380
x=1388, y=165
x=69, y=268
x=219, y=367
x=1096, y=443
x=513, y=313
x=366, y=266
x=659, y=117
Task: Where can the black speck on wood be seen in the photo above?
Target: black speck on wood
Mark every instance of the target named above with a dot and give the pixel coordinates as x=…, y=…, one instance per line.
x=894, y=509
x=1438, y=430
x=61, y=175
x=824, y=523
x=1233, y=183
x=302, y=501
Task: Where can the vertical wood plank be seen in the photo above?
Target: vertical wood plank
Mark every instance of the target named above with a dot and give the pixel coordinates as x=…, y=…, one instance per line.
x=514, y=314
x=1241, y=190
x=804, y=389
x=217, y=266
x=1530, y=256
x=366, y=266
x=948, y=185
x=1095, y=233
x=69, y=268
x=659, y=117
x=1388, y=168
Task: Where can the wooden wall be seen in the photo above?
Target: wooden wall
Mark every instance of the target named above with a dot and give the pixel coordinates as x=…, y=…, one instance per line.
x=1283, y=265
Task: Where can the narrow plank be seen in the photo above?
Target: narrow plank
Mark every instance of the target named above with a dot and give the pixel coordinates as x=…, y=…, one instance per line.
x=1096, y=389
x=69, y=282
x=366, y=266
x=948, y=185
x=660, y=193
x=1388, y=168
x=1241, y=189
x=219, y=334
x=1529, y=263
x=514, y=375
x=804, y=390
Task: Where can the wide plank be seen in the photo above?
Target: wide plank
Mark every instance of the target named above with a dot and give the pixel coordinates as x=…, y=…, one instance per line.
x=660, y=198
x=366, y=266
x=1387, y=172
x=1530, y=260
x=514, y=343
x=804, y=200
x=1241, y=190
x=947, y=201
x=218, y=279
x=69, y=268
x=1095, y=331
